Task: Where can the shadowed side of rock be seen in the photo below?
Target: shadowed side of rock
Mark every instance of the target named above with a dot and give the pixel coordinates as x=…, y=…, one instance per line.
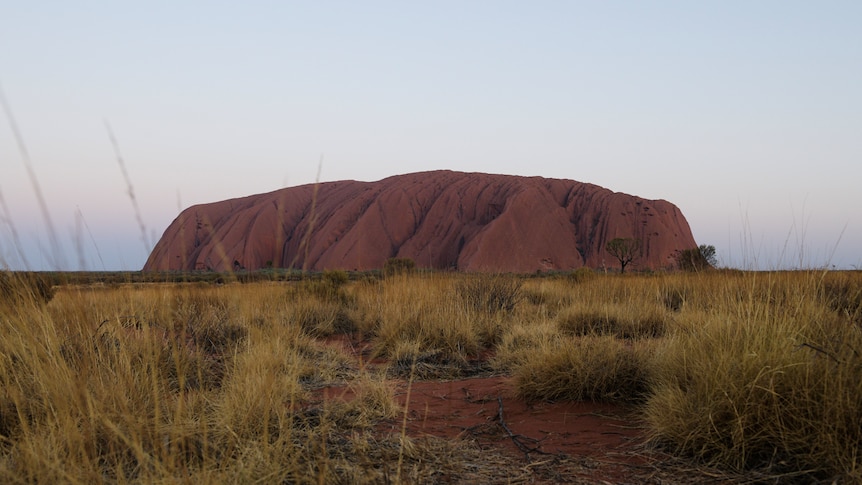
x=441, y=219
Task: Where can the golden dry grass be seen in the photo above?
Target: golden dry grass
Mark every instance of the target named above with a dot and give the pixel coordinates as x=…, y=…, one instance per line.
x=210, y=384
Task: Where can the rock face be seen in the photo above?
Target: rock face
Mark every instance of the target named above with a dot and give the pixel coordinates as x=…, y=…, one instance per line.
x=441, y=219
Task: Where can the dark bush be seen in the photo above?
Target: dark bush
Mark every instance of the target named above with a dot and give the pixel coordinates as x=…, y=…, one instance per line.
x=394, y=266
x=696, y=259
x=582, y=275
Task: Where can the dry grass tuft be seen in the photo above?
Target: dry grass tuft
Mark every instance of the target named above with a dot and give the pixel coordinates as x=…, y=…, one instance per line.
x=611, y=321
x=596, y=368
x=411, y=317
x=490, y=294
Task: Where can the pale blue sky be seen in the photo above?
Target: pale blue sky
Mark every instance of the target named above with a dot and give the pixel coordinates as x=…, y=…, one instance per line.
x=745, y=114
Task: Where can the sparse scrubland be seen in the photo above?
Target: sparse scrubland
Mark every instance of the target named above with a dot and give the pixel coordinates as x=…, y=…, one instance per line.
x=206, y=383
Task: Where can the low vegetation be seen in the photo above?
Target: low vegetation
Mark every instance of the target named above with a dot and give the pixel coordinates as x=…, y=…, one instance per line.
x=697, y=259
x=220, y=381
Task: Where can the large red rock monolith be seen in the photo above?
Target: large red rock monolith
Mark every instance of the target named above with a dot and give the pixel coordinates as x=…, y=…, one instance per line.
x=441, y=219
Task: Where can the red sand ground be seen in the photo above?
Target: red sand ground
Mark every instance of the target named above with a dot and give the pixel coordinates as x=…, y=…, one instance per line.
x=574, y=442
x=472, y=408
x=581, y=442
x=486, y=411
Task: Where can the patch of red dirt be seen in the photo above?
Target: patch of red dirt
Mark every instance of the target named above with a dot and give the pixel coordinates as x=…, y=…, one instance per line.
x=486, y=410
x=580, y=441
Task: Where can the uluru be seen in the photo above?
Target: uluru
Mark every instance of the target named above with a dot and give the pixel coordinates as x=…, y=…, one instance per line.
x=440, y=219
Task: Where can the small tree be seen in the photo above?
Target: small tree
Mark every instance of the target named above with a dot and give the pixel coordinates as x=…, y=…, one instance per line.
x=708, y=253
x=624, y=249
x=697, y=259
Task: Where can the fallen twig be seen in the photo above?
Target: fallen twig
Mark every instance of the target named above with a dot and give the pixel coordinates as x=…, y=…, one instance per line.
x=820, y=351
x=517, y=438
